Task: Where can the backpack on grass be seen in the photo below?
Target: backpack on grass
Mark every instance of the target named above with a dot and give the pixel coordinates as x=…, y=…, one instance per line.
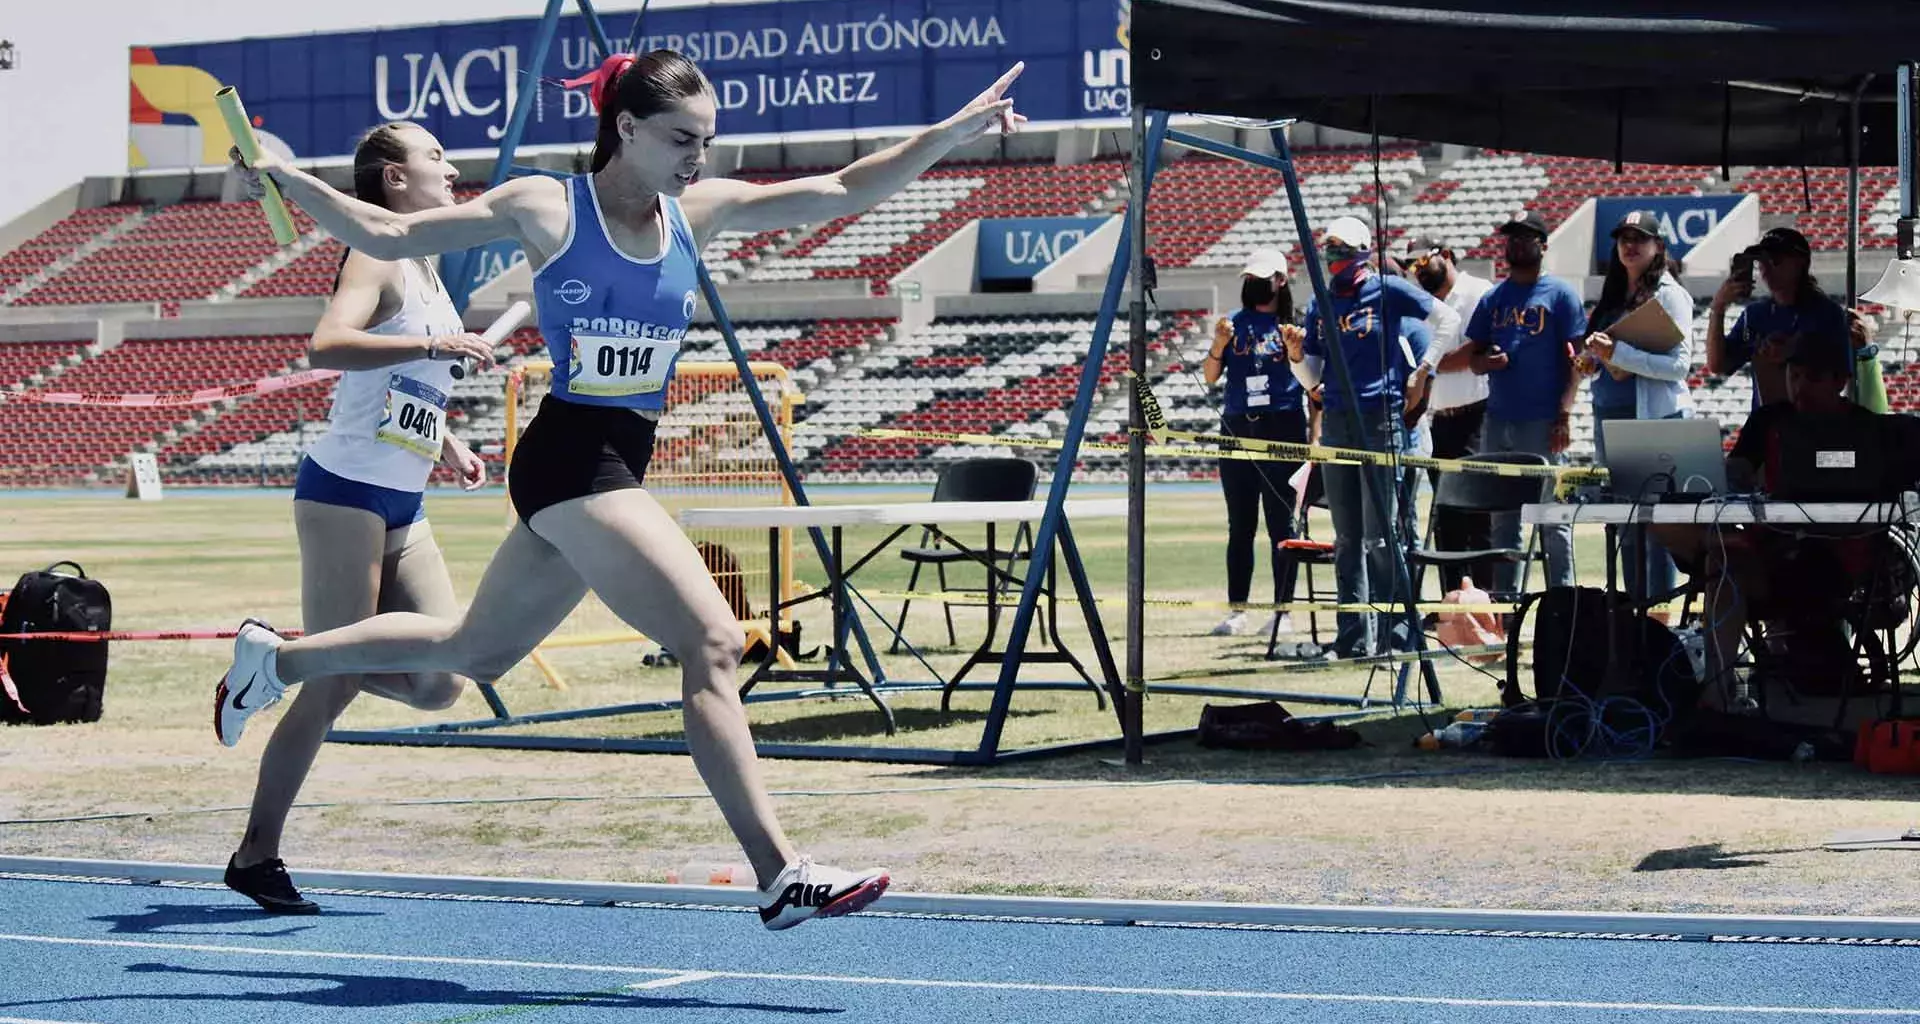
x=1587, y=648
x=48, y=681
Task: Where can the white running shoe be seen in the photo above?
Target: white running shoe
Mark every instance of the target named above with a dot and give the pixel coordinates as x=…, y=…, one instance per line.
x=806, y=890
x=249, y=684
x=1232, y=625
x=1285, y=624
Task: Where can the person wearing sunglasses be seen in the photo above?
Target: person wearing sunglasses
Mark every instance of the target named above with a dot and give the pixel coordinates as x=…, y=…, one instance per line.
x=1367, y=310
x=1769, y=327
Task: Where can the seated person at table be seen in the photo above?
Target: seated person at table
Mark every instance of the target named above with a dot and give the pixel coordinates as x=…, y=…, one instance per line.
x=1798, y=576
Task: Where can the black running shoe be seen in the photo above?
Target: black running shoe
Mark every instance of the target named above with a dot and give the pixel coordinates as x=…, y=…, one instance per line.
x=267, y=884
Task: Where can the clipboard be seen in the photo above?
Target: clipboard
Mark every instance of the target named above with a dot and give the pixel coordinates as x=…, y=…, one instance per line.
x=1649, y=328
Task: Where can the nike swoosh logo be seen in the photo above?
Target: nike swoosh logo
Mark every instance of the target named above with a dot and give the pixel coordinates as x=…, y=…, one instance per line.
x=239, y=699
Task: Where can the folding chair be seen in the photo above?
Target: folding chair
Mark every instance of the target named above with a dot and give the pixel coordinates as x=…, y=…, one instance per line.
x=1304, y=553
x=983, y=479
x=1488, y=494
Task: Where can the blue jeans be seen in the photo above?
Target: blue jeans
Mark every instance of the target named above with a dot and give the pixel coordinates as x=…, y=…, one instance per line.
x=1526, y=436
x=1653, y=565
x=1365, y=564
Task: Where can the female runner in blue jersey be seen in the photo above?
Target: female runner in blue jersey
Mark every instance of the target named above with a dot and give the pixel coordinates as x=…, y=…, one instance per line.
x=365, y=545
x=615, y=253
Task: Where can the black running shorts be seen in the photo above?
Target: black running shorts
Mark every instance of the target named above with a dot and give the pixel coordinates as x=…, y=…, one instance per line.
x=571, y=450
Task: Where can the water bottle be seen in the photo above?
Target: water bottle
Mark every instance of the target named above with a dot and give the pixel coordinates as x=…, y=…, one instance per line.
x=1459, y=734
x=713, y=874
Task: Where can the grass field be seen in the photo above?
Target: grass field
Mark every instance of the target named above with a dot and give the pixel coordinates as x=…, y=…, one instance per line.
x=1381, y=824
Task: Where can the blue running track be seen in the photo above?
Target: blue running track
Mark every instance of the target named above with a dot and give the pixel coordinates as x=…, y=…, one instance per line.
x=78, y=951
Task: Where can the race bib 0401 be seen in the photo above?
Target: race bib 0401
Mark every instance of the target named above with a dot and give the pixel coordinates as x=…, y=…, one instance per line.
x=614, y=367
x=414, y=416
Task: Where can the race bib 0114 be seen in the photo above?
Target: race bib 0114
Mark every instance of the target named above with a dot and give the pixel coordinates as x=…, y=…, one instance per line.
x=616, y=367
x=414, y=416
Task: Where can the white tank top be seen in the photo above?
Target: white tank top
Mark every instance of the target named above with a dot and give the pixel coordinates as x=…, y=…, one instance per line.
x=386, y=425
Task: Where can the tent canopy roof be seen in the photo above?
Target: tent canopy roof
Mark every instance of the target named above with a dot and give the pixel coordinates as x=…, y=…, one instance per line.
x=1710, y=82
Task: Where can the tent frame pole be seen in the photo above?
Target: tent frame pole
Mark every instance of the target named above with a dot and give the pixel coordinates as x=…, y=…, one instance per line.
x=1133, y=693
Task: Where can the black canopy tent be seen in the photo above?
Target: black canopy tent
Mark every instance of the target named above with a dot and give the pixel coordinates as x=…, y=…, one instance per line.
x=1759, y=82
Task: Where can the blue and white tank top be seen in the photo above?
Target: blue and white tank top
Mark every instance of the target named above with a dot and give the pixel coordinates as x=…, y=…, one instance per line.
x=614, y=322
x=387, y=424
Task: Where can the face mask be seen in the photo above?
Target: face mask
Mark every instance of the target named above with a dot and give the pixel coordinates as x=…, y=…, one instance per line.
x=1347, y=274
x=1255, y=292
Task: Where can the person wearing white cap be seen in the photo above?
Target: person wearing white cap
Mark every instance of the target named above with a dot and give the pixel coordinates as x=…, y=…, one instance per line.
x=1260, y=399
x=1365, y=412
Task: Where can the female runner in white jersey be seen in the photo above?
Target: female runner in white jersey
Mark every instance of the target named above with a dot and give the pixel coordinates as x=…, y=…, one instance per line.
x=358, y=509
x=614, y=254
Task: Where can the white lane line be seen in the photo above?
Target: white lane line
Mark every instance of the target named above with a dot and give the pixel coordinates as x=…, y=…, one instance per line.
x=669, y=982
x=1000, y=986
x=325, y=954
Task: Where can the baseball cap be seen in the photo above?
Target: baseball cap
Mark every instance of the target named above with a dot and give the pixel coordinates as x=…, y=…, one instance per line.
x=1644, y=221
x=1350, y=231
x=1265, y=263
x=1525, y=220
x=1416, y=246
x=1785, y=240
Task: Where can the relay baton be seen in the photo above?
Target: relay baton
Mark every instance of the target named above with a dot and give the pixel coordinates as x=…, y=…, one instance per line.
x=241, y=129
x=515, y=315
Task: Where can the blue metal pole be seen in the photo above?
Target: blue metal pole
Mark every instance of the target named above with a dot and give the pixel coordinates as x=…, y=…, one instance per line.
x=639, y=19
x=1382, y=497
x=600, y=37
x=1043, y=541
x=457, y=267
x=1227, y=150
x=791, y=473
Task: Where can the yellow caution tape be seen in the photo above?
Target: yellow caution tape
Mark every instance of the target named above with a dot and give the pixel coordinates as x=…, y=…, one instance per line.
x=1157, y=451
x=1224, y=446
x=1157, y=428
x=1009, y=599
x=1283, y=665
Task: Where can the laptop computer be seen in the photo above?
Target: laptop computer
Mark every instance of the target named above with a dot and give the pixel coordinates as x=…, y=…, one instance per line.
x=1664, y=460
x=1840, y=458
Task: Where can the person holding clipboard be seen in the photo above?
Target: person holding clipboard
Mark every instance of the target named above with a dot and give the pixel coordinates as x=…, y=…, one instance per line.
x=1639, y=353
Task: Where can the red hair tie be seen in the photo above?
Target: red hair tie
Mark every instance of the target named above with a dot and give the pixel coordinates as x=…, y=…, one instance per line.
x=603, y=78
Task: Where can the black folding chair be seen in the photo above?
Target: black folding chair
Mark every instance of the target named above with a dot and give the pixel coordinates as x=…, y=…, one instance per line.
x=983, y=479
x=1488, y=494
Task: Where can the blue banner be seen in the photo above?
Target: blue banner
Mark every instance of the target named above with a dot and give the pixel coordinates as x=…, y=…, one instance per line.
x=488, y=262
x=1685, y=221
x=797, y=66
x=1016, y=248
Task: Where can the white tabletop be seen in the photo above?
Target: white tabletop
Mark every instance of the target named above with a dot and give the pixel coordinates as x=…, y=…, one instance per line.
x=1730, y=511
x=918, y=513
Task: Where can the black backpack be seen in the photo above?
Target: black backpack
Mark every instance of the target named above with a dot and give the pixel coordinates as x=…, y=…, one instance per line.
x=1572, y=658
x=54, y=680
